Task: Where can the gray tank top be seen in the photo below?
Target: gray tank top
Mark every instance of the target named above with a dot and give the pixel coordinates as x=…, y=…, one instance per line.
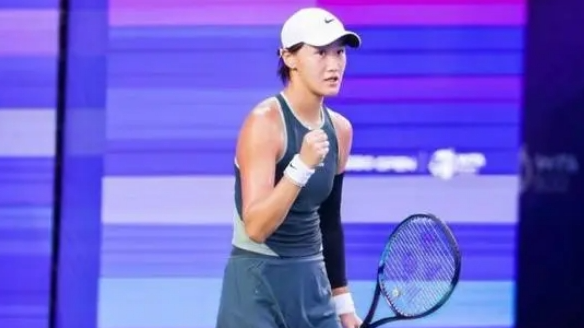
x=299, y=234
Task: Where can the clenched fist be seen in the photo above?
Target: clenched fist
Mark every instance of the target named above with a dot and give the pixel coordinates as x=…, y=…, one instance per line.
x=315, y=146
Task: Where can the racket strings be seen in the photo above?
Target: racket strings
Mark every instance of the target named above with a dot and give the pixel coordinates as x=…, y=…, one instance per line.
x=418, y=267
x=411, y=295
x=407, y=290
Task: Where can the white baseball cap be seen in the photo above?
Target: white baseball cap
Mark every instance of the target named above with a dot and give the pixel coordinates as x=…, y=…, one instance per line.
x=316, y=27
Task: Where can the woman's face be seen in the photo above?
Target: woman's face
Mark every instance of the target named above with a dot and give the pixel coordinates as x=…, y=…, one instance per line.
x=320, y=69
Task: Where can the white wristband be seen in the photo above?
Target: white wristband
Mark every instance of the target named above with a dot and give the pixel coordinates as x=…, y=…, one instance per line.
x=298, y=172
x=344, y=303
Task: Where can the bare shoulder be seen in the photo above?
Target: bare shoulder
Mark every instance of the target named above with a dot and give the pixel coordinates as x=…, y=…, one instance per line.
x=344, y=131
x=263, y=118
x=265, y=111
x=261, y=128
x=343, y=126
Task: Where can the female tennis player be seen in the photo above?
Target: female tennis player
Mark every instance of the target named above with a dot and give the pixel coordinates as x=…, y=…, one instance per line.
x=287, y=266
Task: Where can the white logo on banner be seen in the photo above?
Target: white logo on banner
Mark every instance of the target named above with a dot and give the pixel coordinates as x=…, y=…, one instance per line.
x=447, y=163
x=385, y=164
x=547, y=173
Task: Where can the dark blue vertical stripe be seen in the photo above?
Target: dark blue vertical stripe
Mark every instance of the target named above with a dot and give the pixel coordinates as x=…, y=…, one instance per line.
x=82, y=163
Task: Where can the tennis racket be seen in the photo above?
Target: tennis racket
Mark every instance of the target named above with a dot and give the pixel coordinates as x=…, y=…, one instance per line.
x=418, y=271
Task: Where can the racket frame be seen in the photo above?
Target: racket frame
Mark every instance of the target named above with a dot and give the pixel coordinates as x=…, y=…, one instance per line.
x=368, y=321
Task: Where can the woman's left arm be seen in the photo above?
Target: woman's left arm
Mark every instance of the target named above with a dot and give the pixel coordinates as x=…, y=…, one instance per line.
x=330, y=223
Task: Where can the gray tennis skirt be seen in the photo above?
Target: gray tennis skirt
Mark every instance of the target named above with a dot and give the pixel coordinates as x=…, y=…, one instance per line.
x=262, y=291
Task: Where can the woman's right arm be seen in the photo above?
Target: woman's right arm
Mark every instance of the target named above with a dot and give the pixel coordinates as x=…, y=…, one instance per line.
x=264, y=205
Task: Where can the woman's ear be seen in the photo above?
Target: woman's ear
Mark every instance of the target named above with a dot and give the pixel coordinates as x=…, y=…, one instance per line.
x=289, y=59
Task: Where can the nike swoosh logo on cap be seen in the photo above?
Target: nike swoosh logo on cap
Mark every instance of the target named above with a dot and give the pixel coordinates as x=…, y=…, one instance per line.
x=328, y=20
